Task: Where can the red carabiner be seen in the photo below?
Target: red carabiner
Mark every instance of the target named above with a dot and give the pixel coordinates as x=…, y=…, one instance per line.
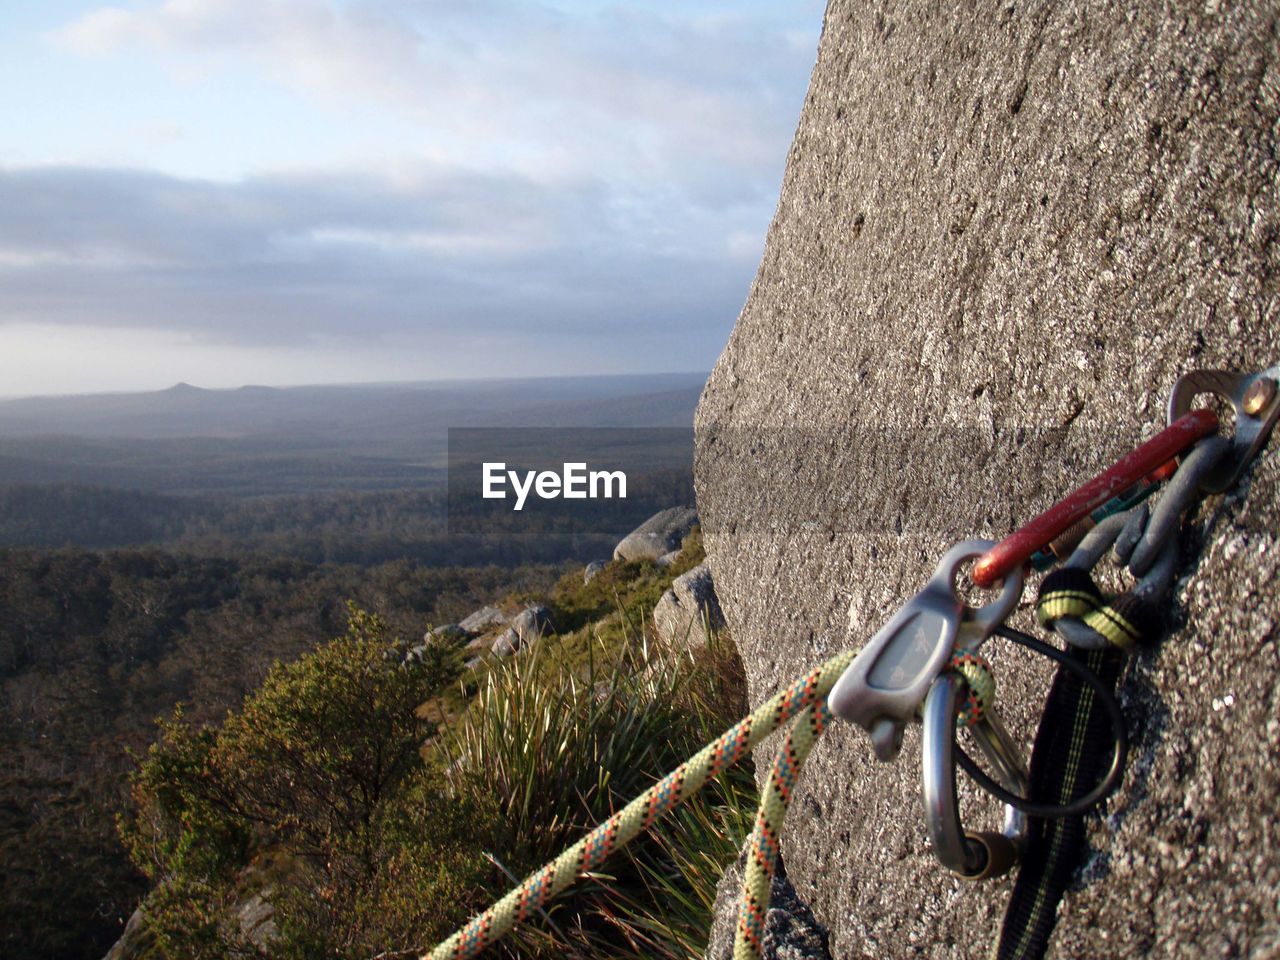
x=1015, y=549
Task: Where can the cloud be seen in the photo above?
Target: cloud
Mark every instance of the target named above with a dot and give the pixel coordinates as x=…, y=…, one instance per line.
x=287, y=259
x=599, y=183
x=623, y=91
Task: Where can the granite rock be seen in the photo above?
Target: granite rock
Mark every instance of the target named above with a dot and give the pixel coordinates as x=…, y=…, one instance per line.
x=486, y=618
x=1003, y=233
x=685, y=611
x=660, y=534
x=527, y=627
x=790, y=933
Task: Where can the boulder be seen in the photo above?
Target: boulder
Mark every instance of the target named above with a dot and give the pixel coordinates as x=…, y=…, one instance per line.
x=486, y=618
x=506, y=644
x=137, y=940
x=1000, y=240
x=527, y=627
x=249, y=920
x=667, y=559
x=790, y=930
x=255, y=919
x=591, y=569
x=683, y=612
x=661, y=533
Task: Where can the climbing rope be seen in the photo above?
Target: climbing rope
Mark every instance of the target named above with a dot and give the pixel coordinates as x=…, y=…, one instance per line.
x=804, y=698
x=936, y=633
x=765, y=845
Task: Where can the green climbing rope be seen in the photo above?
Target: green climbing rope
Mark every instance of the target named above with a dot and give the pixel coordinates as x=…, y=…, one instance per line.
x=766, y=837
x=804, y=698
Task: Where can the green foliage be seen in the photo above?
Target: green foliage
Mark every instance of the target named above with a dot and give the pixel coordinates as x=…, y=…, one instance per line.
x=322, y=762
x=315, y=793
x=561, y=742
x=94, y=646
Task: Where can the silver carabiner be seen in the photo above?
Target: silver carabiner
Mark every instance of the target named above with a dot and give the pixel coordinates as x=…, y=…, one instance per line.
x=882, y=689
x=974, y=856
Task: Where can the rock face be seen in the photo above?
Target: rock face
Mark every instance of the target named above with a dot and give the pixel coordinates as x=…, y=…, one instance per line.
x=1001, y=238
x=486, y=618
x=791, y=932
x=658, y=535
x=683, y=611
x=527, y=627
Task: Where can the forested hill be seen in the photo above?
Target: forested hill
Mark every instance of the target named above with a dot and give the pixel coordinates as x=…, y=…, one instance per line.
x=360, y=527
x=268, y=441
x=93, y=647
x=229, y=528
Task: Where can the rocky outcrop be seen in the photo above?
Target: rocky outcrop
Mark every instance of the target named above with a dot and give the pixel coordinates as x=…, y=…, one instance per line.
x=249, y=922
x=660, y=534
x=447, y=635
x=686, y=611
x=527, y=627
x=1003, y=233
x=790, y=932
x=255, y=919
x=591, y=570
x=486, y=618
x=136, y=940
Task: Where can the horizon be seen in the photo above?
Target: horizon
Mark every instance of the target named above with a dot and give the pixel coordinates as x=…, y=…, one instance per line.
x=331, y=191
x=355, y=384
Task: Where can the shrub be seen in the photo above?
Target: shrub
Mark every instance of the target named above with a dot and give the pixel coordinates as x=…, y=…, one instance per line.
x=560, y=747
x=323, y=766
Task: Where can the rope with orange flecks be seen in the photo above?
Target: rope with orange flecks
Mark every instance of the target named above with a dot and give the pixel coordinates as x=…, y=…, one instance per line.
x=805, y=699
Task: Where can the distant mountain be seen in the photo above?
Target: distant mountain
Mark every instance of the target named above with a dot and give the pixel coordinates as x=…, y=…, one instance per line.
x=260, y=439
x=388, y=410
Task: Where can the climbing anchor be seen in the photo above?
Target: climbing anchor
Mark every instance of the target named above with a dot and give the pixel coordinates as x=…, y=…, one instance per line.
x=918, y=665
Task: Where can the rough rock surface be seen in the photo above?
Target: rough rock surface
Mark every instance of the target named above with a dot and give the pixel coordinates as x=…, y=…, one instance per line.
x=527, y=627
x=1004, y=232
x=790, y=933
x=680, y=614
x=591, y=569
x=256, y=919
x=486, y=618
x=658, y=535
x=136, y=940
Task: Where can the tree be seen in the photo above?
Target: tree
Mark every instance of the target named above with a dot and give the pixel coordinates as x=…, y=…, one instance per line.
x=316, y=767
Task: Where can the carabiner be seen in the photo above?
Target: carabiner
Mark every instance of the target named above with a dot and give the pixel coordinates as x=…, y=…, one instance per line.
x=1256, y=401
x=974, y=856
x=883, y=687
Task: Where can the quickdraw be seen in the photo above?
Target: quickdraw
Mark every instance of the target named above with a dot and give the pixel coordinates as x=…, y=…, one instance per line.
x=925, y=664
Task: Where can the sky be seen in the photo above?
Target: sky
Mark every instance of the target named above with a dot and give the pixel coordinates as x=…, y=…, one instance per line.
x=225, y=192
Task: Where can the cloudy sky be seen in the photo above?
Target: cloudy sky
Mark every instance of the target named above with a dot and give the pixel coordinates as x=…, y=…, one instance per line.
x=304, y=191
